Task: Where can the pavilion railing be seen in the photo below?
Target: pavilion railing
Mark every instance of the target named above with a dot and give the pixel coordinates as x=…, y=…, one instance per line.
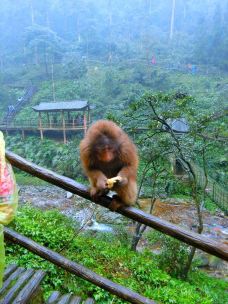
x=33, y=124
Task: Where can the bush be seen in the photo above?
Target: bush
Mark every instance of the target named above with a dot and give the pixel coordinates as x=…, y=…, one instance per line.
x=173, y=255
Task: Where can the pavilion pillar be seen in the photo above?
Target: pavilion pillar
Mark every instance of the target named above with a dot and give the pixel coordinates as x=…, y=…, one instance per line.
x=49, y=120
x=88, y=116
x=23, y=134
x=68, y=117
x=73, y=121
x=64, y=128
x=40, y=127
x=84, y=123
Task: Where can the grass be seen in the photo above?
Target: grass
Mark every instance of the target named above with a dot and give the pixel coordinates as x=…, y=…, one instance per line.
x=108, y=255
x=26, y=179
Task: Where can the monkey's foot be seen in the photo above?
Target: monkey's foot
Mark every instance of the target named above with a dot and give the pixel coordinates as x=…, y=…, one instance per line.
x=96, y=193
x=111, y=181
x=115, y=204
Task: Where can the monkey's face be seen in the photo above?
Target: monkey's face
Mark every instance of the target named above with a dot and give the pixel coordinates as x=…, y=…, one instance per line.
x=106, y=154
x=105, y=149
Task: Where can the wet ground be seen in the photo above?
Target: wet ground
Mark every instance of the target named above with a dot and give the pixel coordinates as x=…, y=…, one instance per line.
x=184, y=213
x=73, y=206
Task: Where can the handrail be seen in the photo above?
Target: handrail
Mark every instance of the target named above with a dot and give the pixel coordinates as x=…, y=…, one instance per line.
x=189, y=237
x=75, y=268
x=29, y=125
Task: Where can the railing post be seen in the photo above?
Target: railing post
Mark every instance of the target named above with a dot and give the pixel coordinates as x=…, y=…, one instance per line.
x=40, y=126
x=64, y=128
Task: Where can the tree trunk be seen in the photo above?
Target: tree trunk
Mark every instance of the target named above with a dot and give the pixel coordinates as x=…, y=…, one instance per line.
x=172, y=20
x=140, y=228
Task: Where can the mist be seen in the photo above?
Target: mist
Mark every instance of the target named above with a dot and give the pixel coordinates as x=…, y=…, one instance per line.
x=114, y=30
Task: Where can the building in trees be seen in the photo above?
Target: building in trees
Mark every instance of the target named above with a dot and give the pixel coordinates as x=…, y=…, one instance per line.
x=63, y=116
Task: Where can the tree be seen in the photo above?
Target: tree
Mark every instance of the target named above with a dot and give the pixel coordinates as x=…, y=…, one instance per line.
x=151, y=119
x=44, y=45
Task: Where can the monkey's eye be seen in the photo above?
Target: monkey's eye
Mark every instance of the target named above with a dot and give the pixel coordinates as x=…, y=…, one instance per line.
x=104, y=148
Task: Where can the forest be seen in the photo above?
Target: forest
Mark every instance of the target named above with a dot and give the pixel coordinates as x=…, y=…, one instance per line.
x=159, y=70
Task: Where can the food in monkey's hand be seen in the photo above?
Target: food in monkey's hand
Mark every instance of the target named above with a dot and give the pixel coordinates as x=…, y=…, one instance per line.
x=112, y=181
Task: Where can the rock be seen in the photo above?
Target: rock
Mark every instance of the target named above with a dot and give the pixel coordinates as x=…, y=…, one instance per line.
x=224, y=232
x=105, y=216
x=69, y=195
x=203, y=261
x=99, y=227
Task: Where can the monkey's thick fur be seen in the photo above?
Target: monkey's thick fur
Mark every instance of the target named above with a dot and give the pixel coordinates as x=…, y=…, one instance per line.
x=107, y=152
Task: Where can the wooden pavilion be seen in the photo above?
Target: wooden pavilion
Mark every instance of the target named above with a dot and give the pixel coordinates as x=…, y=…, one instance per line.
x=63, y=116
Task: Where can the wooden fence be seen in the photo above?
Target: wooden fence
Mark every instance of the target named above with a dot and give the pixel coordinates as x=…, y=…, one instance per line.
x=217, y=193
x=33, y=124
x=75, y=268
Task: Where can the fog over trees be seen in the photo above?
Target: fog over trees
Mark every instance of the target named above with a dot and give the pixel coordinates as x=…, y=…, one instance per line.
x=33, y=29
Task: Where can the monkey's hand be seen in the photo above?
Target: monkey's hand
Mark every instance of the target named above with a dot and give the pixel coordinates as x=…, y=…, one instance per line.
x=100, y=188
x=112, y=181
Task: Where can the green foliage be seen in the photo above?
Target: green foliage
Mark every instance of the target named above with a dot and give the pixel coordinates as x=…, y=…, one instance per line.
x=42, y=43
x=112, y=83
x=61, y=158
x=209, y=286
x=31, y=222
x=149, y=120
x=27, y=179
x=173, y=255
x=210, y=205
x=74, y=68
x=107, y=256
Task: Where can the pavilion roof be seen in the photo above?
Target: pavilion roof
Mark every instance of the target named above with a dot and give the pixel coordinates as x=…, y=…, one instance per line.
x=73, y=105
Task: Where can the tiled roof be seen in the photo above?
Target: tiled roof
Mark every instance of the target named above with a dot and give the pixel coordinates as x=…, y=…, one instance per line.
x=62, y=105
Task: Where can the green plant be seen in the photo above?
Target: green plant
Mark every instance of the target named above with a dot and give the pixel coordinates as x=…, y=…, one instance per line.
x=109, y=257
x=173, y=253
x=27, y=179
x=61, y=158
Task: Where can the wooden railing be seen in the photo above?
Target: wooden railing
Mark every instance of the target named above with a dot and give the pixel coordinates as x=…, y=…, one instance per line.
x=33, y=124
x=217, y=193
x=188, y=237
x=75, y=268
x=22, y=123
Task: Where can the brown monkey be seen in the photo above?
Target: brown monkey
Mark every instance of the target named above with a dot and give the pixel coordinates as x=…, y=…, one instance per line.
x=110, y=161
